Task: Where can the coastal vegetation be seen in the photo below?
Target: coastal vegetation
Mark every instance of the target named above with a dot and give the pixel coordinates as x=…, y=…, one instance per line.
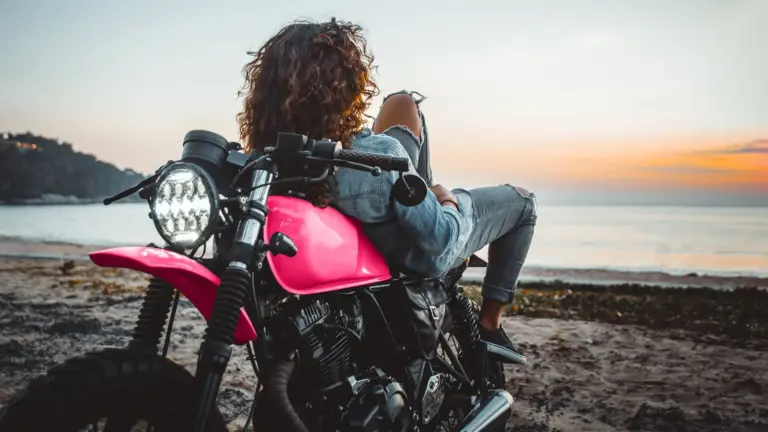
x=39, y=170
x=736, y=317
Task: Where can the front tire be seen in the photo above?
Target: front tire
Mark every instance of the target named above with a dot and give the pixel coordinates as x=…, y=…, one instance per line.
x=117, y=385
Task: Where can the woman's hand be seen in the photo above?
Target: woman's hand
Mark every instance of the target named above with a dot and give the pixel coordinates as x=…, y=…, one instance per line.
x=444, y=196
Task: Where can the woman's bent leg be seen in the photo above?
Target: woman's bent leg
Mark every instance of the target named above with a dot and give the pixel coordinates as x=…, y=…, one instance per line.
x=400, y=117
x=505, y=217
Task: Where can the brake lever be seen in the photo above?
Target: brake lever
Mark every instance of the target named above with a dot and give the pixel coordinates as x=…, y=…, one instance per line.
x=321, y=178
x=374, y=170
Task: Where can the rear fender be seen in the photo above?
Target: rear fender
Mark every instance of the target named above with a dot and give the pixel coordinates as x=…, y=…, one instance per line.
x=191, y=278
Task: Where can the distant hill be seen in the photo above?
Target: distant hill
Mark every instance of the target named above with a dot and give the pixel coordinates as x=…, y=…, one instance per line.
x=35, y=169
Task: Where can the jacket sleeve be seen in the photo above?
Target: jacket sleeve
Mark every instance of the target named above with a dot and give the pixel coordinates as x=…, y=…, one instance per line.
x=433, y=227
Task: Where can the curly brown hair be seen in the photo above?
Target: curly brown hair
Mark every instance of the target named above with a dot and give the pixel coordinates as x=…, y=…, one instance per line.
x=310, y=78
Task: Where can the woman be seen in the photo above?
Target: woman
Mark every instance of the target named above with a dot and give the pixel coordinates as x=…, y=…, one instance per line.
x=315, y=79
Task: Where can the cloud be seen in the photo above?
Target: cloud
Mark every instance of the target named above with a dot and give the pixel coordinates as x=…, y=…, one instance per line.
x=752, y=147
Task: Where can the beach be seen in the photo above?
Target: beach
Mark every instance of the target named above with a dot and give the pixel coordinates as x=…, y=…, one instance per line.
x=604, y=356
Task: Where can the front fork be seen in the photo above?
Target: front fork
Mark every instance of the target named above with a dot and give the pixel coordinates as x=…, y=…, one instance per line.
x=216, y=348
x=158, y=301
x=152, y=316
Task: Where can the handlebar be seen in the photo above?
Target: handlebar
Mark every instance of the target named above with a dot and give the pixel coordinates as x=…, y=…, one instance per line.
x=315, y=156
x=292, y=148
x=130, y=191
x=385, y=162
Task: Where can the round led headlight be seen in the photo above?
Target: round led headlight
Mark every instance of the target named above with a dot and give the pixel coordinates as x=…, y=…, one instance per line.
x=185, y=205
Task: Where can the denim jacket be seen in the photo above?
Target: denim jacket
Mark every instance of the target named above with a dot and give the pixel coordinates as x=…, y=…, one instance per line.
x=436, y=235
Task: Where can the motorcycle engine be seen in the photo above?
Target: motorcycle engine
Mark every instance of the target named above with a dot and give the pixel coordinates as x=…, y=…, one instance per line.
x=377, y=402
x=331, y=393
x=323, y=333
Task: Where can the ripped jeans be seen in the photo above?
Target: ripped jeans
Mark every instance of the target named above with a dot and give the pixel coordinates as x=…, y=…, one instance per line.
x=504, y=216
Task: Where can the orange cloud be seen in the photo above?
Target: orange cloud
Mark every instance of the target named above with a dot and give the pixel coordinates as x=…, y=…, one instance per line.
x=753, y=147
x=655, y=165
x=731, y=167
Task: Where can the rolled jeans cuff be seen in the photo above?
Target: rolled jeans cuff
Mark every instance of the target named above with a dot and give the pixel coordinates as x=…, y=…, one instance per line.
x=498, y=294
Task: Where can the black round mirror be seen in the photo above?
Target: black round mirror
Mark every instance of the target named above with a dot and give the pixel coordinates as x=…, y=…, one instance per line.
x=409, y=190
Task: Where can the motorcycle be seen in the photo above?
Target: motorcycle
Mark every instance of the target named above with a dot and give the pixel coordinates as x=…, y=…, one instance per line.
x=337, y=339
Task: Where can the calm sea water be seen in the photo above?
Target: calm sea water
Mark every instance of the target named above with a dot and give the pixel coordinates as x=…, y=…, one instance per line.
x=713, y=240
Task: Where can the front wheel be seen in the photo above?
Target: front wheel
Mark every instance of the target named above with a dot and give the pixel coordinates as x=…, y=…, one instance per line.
x=111, y=390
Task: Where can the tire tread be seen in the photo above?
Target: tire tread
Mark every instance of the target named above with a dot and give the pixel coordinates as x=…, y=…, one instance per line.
x=85, y=388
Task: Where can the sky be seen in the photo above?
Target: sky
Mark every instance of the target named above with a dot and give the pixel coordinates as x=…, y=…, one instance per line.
x=611, y=101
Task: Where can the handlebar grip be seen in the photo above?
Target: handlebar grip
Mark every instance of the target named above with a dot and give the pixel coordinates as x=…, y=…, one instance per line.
x=130, y=191
x=385, y=162
x=401, y=163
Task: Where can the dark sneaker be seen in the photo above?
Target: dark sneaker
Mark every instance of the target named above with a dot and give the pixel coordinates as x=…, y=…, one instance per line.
x=499, y=337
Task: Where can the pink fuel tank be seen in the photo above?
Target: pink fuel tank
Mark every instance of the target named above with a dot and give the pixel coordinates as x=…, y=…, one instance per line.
x=334, y=253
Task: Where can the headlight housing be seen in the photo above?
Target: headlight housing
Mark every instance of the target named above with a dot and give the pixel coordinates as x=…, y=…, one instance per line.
x=185, y=205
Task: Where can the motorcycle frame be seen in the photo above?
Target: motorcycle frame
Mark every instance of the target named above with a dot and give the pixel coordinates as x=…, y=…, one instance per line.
x=249, y=240
x=247, y=254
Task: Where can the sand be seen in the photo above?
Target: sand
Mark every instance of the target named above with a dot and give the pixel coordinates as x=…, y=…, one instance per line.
x=582, y=376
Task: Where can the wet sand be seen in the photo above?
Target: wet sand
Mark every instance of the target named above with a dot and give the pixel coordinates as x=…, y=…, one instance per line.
x=596, y=362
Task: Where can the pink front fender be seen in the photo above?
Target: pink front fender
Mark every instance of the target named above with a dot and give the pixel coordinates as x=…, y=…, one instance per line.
x=191, y=278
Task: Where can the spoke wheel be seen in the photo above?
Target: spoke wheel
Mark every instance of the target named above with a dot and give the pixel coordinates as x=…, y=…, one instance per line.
x=108, y=391
x=454, y=410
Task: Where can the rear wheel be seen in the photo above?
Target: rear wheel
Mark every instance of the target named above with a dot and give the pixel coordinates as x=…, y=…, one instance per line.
x=453, y=411
x=112, y=390
x=495, y=369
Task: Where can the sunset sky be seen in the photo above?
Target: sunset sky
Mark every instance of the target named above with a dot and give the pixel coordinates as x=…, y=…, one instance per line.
x=596, y=100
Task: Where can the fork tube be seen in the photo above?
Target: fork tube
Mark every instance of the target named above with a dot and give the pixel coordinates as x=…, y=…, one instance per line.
x=216, y=348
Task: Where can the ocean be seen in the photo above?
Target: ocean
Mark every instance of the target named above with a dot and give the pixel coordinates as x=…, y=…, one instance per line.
x=727, y=241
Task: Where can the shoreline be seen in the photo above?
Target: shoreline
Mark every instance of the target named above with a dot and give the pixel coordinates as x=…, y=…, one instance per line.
x=21, y=248
x=65, y=200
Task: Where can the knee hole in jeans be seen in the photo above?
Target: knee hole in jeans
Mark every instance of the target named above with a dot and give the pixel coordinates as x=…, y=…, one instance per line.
x=524, y=192
x=531, y=206
x=418, y=100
